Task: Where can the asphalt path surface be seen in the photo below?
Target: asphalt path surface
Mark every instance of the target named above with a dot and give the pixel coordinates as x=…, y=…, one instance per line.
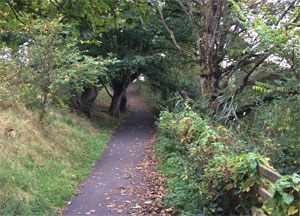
x=110, y=187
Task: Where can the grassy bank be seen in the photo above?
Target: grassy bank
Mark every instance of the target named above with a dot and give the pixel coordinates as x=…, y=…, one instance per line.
x=41, y=165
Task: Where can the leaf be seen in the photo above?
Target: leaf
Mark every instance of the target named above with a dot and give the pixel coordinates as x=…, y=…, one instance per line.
x=288, y=198
x=90, y=212
x=292, y=210
x=253, y=165
x=136, y=206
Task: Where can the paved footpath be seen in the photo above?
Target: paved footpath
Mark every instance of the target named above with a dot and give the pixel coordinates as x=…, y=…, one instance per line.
x=110, y=187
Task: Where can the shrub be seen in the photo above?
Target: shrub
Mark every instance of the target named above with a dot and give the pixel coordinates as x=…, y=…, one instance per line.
x=205, y=173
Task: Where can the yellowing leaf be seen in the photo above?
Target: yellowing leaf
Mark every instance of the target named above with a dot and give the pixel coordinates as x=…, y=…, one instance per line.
x=292, y=210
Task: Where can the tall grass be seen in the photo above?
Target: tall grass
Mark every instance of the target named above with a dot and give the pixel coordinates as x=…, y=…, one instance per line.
x=41, y=165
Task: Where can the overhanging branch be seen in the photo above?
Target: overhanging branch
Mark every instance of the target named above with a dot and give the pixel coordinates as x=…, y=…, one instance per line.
x=15, y=12
x=110, y=95
x=171, y=33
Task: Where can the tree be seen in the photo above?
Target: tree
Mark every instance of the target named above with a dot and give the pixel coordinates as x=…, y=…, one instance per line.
x=42, y=69
x=230, y=40
x=112, y=21
x=91, y=19
x=133, y=50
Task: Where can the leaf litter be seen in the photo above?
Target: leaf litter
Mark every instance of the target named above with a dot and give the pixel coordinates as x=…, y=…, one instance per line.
x=149, y=192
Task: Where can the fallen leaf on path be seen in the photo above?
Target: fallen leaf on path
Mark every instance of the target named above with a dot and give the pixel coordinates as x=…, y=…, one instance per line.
x=169, y=210
x=111, y=206
x=90, y=212
x=136, y=206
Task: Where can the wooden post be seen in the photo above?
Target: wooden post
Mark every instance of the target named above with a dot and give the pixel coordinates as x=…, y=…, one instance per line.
x=263, y=193
x=268, y=173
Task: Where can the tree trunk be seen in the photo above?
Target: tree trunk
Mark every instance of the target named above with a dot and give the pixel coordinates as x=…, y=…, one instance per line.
x=123, y=103
x=83, y=102
x=118, y=103
x=210, y=82
x=206, y=86
x=87, y=99
x=115, y=106
x=43, y=106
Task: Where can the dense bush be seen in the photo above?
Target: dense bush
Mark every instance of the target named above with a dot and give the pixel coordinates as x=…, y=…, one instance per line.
x=274, y=132
x=46, y=67
x=205, y=173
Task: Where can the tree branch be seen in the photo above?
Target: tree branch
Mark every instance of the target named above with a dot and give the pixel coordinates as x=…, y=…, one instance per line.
x=285, y=12
x=57, y=6
x=246, y=78
x=15, y=12
x=194, y=27
x=171, y=33
x=105, y=88
x=189, y=100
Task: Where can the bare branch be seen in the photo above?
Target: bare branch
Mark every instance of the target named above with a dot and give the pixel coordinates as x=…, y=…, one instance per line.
x=285, y=12
x=55, y=4
x=189, y=100
x=197, y=36
x=15, y=12
x=171, y=33
x=187, y=12
x=246, y=78
x=110, y=95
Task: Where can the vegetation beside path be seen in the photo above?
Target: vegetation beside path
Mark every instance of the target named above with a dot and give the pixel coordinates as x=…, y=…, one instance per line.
x=41, y=165
x=209, y=172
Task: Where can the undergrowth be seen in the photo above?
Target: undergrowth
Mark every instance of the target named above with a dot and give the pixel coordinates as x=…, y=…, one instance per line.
x=209, y=173
x=41, y=165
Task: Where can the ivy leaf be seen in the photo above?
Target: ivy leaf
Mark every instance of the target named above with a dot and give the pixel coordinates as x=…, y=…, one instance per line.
x=288, y=198
x=253, y=165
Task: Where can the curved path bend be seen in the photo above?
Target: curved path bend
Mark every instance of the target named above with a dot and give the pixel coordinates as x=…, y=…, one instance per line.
x=110, y=187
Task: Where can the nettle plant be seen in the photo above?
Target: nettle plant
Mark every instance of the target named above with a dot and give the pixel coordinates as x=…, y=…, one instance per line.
x=48, y=63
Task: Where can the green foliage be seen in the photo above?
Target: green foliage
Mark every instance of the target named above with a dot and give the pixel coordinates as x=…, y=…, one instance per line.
x=274, y=133
x=246, y=171
x=43, y=69
x=40, y=167
x=204, y=173
x=97, y=15
x=194, y=146
x=284, y=200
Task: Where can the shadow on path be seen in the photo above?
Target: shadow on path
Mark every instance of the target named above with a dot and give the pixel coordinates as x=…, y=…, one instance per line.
x=109, y=188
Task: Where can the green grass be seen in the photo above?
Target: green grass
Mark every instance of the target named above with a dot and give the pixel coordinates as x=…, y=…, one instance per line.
x=41, y=165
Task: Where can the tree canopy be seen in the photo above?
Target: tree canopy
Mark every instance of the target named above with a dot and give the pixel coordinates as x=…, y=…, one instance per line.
x=228, y=67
